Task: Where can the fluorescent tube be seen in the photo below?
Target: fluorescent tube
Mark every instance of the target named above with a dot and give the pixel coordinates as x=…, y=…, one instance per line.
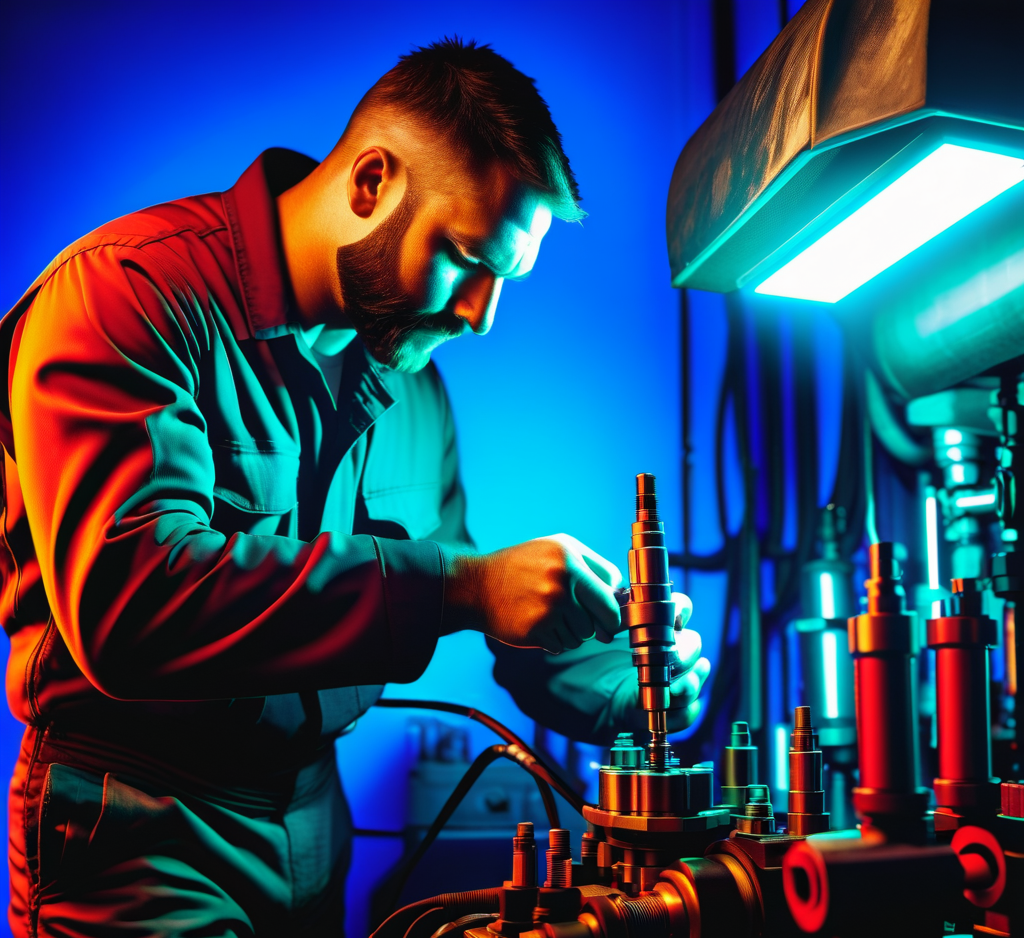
x=949, y=183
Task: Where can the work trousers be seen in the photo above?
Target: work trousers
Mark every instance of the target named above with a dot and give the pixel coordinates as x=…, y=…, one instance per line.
x=101, y=855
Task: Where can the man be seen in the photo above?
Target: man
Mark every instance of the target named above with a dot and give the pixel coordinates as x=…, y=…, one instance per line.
x=233, y=511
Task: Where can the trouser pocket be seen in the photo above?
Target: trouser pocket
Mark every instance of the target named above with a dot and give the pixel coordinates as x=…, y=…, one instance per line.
x=71, y=810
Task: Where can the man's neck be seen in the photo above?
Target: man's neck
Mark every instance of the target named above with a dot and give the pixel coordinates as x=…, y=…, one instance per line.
x=305, y=218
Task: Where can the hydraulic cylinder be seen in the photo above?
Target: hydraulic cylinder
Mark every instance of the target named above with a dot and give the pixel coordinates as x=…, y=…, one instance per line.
x=884, y=644
x=962, y=640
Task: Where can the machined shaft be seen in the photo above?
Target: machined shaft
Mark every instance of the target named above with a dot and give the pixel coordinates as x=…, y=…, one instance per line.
x=650, y=615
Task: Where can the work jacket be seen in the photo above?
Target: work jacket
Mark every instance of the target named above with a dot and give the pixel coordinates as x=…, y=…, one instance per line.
x=209, y=562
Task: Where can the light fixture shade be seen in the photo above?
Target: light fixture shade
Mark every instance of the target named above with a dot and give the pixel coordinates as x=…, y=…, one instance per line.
x=829, y=126
x=842, y=89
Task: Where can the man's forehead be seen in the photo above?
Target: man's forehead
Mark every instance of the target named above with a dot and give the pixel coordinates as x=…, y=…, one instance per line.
x=507, y=233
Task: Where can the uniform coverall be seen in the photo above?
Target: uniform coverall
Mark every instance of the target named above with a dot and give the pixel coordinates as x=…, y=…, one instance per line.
x=211, y=563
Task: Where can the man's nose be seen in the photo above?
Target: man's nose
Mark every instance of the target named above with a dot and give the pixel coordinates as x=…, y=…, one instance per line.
x=477, y=299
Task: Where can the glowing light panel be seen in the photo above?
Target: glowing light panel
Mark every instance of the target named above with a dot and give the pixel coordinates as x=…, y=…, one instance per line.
x=976, y=501
x=781, y=758
x=952, y=437
x=932, y=533
x=948, y=184
x=828, y=596
x=828, y=654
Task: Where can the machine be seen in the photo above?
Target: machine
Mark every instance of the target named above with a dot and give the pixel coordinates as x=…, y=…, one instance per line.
x=663, y=857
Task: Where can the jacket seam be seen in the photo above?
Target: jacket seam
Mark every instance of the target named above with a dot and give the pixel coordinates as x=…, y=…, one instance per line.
x=156, y=239
x=32, y=669
x=233, y=226
x=33, y=886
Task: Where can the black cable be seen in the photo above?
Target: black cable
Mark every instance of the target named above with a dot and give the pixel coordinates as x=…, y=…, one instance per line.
x=769, y=368
x=503, y=731
x=537, y=767
x=456, y=903
x=849, y=490
x=480, y=763
x=685, y=408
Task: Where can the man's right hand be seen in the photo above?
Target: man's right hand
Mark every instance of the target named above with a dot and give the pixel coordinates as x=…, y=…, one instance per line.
x=552, y=593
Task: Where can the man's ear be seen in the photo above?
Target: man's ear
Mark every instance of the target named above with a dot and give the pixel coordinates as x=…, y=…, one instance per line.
x=370, y=169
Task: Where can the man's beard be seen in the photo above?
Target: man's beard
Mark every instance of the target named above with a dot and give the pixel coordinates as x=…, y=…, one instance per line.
x=385, y=317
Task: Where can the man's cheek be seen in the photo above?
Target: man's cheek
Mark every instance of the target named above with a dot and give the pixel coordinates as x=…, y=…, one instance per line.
x=438, y=286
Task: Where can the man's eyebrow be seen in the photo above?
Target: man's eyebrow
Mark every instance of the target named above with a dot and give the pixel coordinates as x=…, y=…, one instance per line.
x=474, y=251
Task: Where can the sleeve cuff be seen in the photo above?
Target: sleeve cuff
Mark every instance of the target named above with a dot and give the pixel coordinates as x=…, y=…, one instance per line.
x=413, y=580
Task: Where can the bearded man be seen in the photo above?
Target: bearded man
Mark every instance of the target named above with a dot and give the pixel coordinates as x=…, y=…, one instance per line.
x=233, y=511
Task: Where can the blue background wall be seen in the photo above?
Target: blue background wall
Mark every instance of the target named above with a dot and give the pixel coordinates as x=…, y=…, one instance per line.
x=109, y=106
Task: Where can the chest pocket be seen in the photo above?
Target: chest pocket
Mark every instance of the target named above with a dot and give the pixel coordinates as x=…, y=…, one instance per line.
x=402, y=479
x=258, y=476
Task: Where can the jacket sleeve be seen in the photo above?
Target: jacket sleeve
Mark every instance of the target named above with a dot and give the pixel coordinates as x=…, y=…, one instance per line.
x=118, y=480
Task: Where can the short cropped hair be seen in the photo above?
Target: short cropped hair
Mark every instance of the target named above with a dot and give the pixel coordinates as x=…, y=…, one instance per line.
x=483, y=106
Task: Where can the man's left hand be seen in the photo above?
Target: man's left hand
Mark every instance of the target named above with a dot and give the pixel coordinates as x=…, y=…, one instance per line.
x=689, y=672
x=591, y=693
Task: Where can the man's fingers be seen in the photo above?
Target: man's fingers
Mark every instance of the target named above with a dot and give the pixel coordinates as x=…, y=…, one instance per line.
x=597, y=599
x=688, y=646
x=684, y=609
x=604, y=569
x=689, y=685
x=680, y=719
x=570, y=633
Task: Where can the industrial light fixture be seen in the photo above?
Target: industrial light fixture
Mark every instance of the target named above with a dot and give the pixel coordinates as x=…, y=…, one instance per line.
x=946, y=185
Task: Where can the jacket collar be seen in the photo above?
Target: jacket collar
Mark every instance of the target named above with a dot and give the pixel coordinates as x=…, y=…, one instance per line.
x=250, y=208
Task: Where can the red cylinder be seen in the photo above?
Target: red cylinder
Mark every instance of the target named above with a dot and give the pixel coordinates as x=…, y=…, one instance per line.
x=883, y=643
x=961, y=642
x=886, y=730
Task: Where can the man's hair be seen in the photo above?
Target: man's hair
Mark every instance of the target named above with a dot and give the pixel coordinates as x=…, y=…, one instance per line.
x=485, y=108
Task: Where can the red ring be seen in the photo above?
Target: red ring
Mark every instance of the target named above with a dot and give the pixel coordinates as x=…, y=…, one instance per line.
x=966, y=837
x=809, y=913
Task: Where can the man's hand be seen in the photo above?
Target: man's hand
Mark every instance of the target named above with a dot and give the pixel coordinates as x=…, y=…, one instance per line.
x=689, y=674
x=553, y=593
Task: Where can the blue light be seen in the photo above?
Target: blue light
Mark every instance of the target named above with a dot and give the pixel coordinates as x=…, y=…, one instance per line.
x=976, y=501
x=828, y=596
x=949, y=183
x=781, y=758
x=828, y=654
x=931, y=523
